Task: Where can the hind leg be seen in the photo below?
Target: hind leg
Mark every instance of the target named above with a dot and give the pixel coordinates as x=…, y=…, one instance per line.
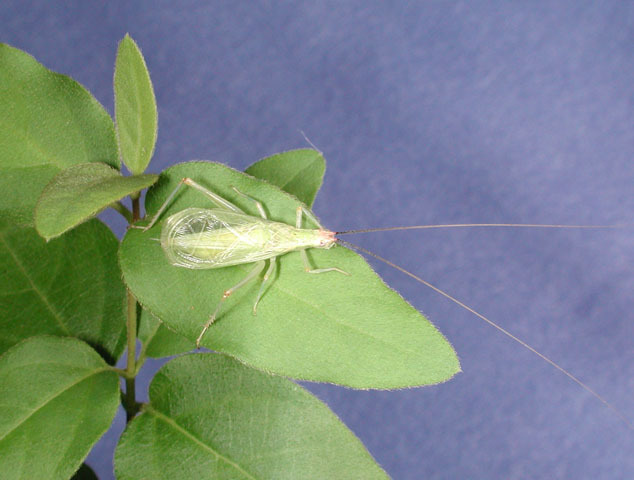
x=269, y=273
x=255, y=271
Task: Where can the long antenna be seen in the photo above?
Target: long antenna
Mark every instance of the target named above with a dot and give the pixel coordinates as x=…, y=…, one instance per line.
x=494, y=325
x=476, y=225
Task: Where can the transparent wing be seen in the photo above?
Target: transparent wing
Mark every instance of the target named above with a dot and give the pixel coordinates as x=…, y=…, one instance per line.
x=201, y=238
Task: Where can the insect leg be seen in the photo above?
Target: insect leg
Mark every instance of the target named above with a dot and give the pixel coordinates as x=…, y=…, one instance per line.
x=308, y=268
x=255, y=271
x=301, y=210
x=298, y=223
x=217, y=199
x=257, y=204
x=170, y=197
x=269, y=273
x=214, y=197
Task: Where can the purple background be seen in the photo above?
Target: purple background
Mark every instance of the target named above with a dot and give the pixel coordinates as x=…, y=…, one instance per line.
x=430, y=112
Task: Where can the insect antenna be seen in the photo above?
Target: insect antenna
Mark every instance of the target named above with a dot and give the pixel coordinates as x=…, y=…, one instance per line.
x=476, y=225
x=479, y=315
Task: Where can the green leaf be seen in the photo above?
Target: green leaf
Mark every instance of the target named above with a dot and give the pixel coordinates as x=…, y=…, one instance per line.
x=350, y=330
x=70, y=286
x=48, y=122
x=79, y=193
x=135, y=107
x=298, y=172
x=58, y=397
x=158, y=340
x=21, y=188
x=210, y=417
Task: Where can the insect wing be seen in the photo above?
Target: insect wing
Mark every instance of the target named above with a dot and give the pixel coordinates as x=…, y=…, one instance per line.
x=201, y=238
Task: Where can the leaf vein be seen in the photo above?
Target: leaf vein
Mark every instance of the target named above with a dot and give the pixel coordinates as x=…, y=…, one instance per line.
x=53, y=397
x=171, y=422
x=43, y=298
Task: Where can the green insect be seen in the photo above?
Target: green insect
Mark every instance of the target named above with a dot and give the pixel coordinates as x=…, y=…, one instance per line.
x=200, y=238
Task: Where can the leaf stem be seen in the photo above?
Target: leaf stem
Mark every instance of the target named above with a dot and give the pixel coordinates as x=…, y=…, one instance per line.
x=123, y=210
x=129, y=400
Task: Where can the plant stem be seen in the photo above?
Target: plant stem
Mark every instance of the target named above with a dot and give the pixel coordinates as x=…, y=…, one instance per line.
x=136, y=207
x=129, y=400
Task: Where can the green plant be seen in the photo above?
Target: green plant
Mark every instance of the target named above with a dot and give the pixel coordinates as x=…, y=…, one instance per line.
x=73, y=298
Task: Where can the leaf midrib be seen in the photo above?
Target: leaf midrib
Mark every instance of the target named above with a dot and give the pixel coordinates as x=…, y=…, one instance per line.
x=46, y=156
x=335, y=320
x=296, y=175
x=53, y=397
x=172, y=423
x=34, y=287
